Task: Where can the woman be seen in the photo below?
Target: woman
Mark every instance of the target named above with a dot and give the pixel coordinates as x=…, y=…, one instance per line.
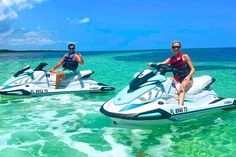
x=183, y=63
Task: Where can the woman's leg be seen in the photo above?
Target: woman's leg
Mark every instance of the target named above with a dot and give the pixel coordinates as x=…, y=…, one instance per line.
x=184, y=85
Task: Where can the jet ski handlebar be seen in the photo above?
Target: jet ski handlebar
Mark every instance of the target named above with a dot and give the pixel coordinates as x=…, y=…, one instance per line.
x=41, y=66
x=163, y=68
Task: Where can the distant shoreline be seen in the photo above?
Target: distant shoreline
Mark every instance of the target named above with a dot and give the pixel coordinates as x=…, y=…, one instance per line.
x=25, y=51
x=19, y=51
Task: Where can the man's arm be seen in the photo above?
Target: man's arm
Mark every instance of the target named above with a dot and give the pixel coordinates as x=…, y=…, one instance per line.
x=58, y=64
x=79, y=59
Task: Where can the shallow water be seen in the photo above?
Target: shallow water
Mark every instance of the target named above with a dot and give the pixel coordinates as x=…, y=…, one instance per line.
x=71, y=125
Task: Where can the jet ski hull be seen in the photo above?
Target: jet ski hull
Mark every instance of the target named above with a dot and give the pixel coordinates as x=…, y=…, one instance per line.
x=47, y=91
x=163, y=114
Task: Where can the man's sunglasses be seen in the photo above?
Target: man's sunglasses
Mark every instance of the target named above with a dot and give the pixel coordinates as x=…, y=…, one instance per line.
x=71, y=48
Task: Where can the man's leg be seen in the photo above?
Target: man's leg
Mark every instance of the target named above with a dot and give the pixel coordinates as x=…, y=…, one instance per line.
x=59, y=77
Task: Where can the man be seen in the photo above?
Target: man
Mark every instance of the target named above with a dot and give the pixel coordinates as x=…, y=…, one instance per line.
x=183, y=63
x=70, y=63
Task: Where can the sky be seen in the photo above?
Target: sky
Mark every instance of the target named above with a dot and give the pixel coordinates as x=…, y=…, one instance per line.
x=96, y=25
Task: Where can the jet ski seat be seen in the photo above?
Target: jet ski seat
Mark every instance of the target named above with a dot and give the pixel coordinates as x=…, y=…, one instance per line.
x=86, y=73
x=200, y=83
x=80, y=74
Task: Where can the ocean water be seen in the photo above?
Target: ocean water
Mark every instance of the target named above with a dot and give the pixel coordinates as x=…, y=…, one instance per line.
x=71, y=125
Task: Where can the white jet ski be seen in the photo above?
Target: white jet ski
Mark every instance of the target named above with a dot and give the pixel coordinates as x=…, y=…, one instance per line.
x=152, y=98
x=38, y=82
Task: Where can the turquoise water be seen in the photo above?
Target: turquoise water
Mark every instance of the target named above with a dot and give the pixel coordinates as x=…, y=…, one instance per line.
x=71, y=125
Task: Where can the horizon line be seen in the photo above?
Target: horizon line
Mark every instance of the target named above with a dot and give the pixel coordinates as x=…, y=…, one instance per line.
x=38, y=50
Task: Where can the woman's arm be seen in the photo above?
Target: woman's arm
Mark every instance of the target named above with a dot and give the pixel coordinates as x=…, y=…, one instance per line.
x=167, y=61
x=187, y=59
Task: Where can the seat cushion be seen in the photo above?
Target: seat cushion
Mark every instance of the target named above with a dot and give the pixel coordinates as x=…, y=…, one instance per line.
x=86, y=73
x=199, y=83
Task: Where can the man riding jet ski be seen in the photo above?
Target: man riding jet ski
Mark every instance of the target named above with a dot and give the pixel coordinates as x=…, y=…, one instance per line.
x=70, y=62
x=151, y=97
x=38, y=82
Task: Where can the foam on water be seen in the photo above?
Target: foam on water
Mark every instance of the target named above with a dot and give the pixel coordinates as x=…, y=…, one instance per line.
x=219, y=121
x=117, y=149
x=43, y=116
x=165, y=146
x=137, y=137
x=4, y=137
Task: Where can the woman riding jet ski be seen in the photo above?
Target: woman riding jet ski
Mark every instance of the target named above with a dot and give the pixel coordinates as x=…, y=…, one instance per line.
x=38, y=82
x=151, y=97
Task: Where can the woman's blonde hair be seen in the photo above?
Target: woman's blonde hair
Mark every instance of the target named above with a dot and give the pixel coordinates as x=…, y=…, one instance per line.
x=176, y=41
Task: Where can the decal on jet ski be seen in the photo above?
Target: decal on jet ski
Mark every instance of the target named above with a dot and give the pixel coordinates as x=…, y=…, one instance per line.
x=39, y=91
x=94, y=88
x=227, y=102
x=178, y=110
x=142, y=99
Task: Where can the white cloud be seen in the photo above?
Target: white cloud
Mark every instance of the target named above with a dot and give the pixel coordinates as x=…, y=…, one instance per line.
x=9, y=8
x=84, y=20
x=7, y=14
x=79, y=21
x=24, y=37
x=20, y=37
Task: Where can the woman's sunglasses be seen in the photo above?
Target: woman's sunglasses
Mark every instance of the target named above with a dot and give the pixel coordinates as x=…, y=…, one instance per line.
x=176, y=47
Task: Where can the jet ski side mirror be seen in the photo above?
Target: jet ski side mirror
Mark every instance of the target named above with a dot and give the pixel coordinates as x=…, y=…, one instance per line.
x=21, y=71
x=140, y=79
x=136, y=74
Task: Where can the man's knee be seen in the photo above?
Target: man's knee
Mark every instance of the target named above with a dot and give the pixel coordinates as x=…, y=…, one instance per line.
x=60, y=75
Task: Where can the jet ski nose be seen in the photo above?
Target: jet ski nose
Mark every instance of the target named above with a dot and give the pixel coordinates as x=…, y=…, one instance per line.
x=1, y=88
x=2, y=92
